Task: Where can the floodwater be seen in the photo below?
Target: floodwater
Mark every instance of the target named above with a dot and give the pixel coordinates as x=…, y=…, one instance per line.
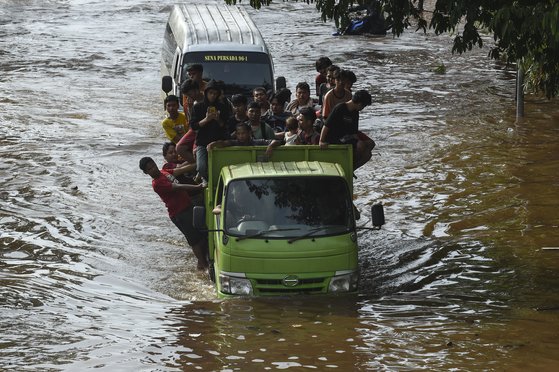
x=94, y=276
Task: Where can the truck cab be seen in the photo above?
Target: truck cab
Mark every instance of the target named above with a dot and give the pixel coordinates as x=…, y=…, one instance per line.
x=283, y=225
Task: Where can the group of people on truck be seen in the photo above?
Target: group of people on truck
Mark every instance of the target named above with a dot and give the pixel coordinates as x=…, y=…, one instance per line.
x=209, y=120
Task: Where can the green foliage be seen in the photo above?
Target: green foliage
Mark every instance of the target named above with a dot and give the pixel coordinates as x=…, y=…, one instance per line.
x=525, y=31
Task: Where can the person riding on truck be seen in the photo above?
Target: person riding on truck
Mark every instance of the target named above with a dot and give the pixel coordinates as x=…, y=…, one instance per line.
x=209, y=119
x=342, y=127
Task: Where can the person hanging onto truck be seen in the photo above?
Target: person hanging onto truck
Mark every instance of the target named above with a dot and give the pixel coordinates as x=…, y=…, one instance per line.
x=342, y=127
x=209, y=119
x=179, y=205
x=175, y=124
x=172, y=161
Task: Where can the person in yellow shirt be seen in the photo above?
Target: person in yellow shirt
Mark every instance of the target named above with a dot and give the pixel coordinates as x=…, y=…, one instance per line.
x=175, y=124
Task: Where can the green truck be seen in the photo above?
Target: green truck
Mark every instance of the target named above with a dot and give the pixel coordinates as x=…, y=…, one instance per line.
x=281, y=225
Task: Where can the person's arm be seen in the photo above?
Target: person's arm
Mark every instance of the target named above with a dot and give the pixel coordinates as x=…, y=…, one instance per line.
x=323, y=135
x=217, y=210
x=326, y=105
x=184, y=168
x=216, y=144
x=211, y=115
x=272, y=145
x=201, y=116
x=188, y=187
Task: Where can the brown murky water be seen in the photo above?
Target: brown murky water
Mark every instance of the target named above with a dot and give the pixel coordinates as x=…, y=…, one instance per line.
x=93, y=275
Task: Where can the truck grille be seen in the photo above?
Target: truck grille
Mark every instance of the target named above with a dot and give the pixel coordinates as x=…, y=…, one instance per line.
x=272, y=287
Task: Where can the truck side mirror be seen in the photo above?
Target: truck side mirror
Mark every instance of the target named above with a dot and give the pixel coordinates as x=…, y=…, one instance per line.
x=167, y=84
x=377, y=215
x=199, y=218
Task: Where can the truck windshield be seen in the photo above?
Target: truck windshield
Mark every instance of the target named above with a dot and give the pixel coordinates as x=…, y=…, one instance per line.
x=240, y=71
x=288, y=207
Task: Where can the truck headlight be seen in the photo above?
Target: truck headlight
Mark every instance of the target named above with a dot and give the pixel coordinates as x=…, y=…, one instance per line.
x=344, y=281
x=236, y=285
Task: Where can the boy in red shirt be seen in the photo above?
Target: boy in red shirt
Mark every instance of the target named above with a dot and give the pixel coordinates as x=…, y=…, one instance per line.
x=178, y=203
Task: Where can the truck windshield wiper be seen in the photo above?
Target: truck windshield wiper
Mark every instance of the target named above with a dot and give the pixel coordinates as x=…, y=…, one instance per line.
x=262, y=233
x=309, y=233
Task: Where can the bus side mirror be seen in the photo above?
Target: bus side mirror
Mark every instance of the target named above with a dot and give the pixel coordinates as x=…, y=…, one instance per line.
x=377, y=215
x=199, y=218
x=167, y=84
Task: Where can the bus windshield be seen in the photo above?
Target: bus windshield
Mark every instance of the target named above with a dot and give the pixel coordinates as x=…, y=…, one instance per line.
x=288, y=207
x=240, y=71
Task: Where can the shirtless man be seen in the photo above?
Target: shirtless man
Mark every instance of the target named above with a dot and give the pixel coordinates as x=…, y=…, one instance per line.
x=342, y=127
x=337, y=95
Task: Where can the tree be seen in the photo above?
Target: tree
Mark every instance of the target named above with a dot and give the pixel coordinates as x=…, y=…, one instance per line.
x=525, y=31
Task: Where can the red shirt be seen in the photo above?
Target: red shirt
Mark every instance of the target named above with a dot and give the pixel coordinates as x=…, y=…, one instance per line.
x=175, y=200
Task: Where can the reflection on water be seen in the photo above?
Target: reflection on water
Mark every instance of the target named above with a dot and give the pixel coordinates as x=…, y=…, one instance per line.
x=93, y=274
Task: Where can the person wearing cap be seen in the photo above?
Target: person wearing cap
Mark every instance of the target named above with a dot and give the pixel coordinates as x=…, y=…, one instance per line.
x=209, y=118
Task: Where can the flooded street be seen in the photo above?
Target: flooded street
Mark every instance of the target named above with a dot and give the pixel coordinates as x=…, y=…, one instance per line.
x=94, y=275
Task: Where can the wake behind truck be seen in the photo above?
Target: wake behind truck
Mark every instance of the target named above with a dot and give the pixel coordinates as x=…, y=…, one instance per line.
x=282, y=225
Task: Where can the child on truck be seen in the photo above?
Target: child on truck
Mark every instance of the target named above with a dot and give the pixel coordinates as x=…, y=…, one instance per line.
x=291, y=131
